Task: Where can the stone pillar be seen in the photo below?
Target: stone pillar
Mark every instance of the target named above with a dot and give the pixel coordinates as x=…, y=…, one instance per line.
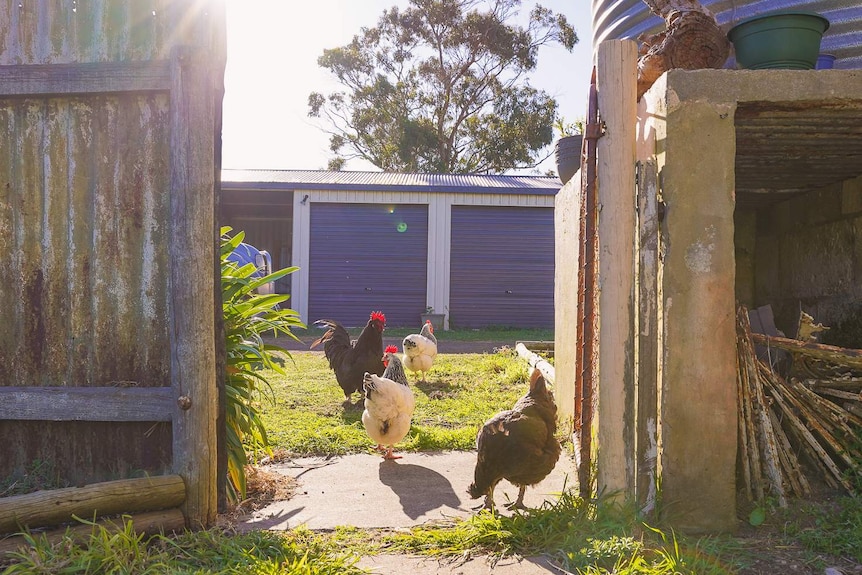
x=697, y=385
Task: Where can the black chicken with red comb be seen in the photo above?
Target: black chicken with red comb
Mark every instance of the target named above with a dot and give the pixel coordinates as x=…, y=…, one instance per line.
x=351, y=359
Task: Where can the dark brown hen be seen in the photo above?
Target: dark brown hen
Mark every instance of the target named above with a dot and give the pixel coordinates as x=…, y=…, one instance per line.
x=350, y=360
x=517, y=444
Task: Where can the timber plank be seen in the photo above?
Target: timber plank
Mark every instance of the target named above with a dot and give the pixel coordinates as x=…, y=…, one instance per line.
x=86, y=403
x=839, y=355
x=86, y=78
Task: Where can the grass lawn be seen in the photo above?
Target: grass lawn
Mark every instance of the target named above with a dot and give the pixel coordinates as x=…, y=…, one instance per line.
x=309, y=417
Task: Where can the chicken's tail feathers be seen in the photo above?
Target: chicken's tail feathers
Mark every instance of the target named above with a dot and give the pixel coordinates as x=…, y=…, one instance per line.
x=325, y=337
x=324, y=323
x=334, y=331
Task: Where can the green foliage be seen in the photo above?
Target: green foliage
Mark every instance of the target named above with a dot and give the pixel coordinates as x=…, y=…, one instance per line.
x=565, y=128
x=40, y=474
x=441, y=87
x=757, y=516
x=835, y=529
x=297, y=552
x=247, y=317
x=583, y=536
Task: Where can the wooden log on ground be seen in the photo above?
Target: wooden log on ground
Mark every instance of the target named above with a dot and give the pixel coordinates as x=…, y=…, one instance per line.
x=829, y=420
x=766, y=436
x=537, y=361
x=789, y=462
x=149, y=523
x=802, y=431
x=838, y=355
x=829, y=409
x=538, y=345
x=757, y=451
x=45, y=508
x=823, y=390
x=851, y=383
x=746, y=438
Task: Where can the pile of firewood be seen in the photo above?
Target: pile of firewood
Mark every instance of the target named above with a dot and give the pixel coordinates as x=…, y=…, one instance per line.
x=809, y=420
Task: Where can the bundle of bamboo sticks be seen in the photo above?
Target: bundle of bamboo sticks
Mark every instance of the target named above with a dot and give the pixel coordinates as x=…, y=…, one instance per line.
x=781, y=420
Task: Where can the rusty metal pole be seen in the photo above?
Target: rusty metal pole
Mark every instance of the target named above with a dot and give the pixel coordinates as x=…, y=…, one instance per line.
x=586, y=341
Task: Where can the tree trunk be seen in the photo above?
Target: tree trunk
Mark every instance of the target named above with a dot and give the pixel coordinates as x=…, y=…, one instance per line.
x=691, y=41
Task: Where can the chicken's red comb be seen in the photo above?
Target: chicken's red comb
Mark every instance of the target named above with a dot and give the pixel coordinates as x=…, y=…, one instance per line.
x=378, y=315
x=390, y=349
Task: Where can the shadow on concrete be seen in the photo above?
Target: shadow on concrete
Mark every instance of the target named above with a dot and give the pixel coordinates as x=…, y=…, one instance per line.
x=419, y=488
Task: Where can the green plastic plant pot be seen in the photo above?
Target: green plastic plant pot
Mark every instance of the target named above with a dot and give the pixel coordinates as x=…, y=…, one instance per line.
x=788, y=40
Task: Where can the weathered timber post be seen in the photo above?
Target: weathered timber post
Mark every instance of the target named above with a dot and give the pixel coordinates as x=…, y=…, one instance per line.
x=192, y=174
x=615, y=409
x=567, y=211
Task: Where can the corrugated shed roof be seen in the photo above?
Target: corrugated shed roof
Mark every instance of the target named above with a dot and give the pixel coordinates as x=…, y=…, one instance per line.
x=361, y=181
x=843, y=39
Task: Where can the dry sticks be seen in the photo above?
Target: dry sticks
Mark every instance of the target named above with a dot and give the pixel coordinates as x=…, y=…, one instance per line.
x=779, y=421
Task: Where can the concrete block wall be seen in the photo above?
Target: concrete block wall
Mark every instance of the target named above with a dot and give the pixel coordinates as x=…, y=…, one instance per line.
x=808, y=256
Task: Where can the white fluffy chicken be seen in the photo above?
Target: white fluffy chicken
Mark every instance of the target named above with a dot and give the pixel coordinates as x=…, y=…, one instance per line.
x=420, y=349
x=389, y=404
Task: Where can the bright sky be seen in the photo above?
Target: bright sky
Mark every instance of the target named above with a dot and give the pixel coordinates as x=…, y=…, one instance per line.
x=272, y=51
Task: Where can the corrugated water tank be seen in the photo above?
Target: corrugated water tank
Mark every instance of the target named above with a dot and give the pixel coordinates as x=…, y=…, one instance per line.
x=615, y=19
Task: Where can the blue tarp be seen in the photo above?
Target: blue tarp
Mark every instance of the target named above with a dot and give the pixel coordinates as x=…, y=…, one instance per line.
x=248, y=254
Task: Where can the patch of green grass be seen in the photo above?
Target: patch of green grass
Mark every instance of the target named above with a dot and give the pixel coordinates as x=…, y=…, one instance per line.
x=835, y=528
x=297, y=552
x=40, y=474
x=462, y=391
x=583, y=536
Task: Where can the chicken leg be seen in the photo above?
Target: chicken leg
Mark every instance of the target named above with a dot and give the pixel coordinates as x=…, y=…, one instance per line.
x=519, y=502
x=390, y=455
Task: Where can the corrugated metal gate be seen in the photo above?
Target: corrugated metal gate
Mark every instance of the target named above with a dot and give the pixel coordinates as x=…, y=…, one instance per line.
x=502, y=259
x=109, y=113
x=365, y=257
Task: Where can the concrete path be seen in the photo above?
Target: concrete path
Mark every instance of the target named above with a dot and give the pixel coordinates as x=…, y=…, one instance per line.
x=367, y=491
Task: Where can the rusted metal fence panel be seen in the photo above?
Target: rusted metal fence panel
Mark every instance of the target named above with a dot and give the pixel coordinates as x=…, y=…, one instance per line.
x=108, y=123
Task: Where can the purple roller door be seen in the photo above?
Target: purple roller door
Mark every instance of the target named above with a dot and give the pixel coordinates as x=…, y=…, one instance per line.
x=365, y=257
x=502, y=267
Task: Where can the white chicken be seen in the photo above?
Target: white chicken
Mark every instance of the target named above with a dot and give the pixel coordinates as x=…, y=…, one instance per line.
x=420, y=349
x=389, y=404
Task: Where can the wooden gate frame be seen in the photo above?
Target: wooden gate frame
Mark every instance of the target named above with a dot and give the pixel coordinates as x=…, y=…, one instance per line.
x=190, y=404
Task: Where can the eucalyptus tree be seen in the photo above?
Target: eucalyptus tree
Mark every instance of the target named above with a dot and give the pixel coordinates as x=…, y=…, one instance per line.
x=442, y=86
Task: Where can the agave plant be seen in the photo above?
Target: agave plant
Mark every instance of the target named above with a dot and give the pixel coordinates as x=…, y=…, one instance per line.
x=249, y=315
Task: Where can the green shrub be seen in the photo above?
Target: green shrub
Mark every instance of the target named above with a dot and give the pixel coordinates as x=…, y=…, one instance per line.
x=247, y=317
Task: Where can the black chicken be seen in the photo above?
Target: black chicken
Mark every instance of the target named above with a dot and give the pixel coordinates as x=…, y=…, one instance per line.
x=517, y=444
x=350, y=360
